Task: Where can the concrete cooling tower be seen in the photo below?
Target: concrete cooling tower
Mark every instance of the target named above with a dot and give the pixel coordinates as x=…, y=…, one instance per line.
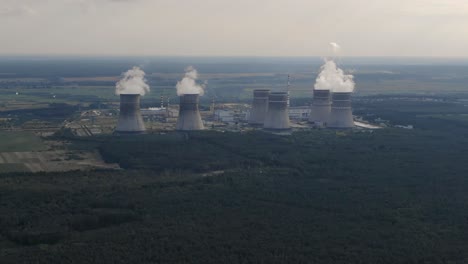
x=321, y=107
x=189, y=115
x=341, y=113
x=130, y=120
x=277, y=117
x=259, y=107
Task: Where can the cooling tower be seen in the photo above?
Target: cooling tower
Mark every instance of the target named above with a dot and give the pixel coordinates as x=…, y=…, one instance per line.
x=321, y=107
x=189, y=115
x=259, y=107
x=341, y=113
x=277, y=117
x=130, y=120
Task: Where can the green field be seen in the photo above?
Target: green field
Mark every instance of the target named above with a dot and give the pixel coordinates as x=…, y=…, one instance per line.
x=20, y=142
x=13, y=167
x=453, y=117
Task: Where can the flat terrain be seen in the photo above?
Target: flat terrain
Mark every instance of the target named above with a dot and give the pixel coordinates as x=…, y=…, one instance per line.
x=50, y=161
x=91, y=80
x=20, y=141
x=391, y=195
x=26, y=152
x=323, y=197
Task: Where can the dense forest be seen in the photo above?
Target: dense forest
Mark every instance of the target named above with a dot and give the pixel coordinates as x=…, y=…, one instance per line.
x=318, y=196
x=388, y=196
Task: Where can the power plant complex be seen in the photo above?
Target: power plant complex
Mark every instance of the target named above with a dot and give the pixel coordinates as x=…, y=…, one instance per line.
x=330, y=107
x=269, y=110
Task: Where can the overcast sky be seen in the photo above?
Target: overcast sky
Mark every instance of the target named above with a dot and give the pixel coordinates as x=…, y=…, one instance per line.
x=235, y=27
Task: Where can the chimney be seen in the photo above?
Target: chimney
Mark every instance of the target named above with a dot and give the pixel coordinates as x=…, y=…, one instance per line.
x=189, y=115
x=259, y=107
x=321, y=107
x=130, y=119
x=341, y=113
x=277, y=117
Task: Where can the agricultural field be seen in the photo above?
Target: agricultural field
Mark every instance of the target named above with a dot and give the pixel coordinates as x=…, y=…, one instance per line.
x=18, y=141
x=26, y=152
x=453, y=117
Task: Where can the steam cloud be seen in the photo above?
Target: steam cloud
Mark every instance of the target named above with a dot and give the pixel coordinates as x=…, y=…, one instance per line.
x=188, y=85
x=334, y=79
x=133, y=82
x=17, y=11
x=336, y=47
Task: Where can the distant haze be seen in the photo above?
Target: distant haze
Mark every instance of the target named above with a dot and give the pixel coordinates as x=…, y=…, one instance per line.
x=234, y=28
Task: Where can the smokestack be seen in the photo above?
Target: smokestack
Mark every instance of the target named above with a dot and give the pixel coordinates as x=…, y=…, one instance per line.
x=321, y=107
x=130, y=119
x=189, y=115
x=259, y=107
x=277, y=117
x=341, y=113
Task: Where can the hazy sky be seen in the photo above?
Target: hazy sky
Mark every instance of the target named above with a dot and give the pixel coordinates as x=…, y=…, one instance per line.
x=235, y=27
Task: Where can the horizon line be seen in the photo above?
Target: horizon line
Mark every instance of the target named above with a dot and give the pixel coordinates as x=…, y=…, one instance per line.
x=228, y=56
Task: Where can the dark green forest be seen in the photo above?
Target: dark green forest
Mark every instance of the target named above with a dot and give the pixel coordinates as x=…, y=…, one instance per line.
x=318, y=196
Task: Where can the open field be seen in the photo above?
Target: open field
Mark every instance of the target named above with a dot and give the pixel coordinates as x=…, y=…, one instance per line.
x=26, y=152
x=20, y=141
x=50, y=161
x=13, y=167
x=453, y=117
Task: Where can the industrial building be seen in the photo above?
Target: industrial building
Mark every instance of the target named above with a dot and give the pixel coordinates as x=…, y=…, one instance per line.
x=259, y=107
x=189, y=114
x=130, y=119
x=321, y=108
x=226, y=116
x=300, y=113
x=277, y=117
x=341, y=112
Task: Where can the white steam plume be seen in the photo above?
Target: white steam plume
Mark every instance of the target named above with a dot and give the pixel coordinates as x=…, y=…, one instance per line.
x=336, y=47
x=188, y=85
x=133, y=82
x=334, y=79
